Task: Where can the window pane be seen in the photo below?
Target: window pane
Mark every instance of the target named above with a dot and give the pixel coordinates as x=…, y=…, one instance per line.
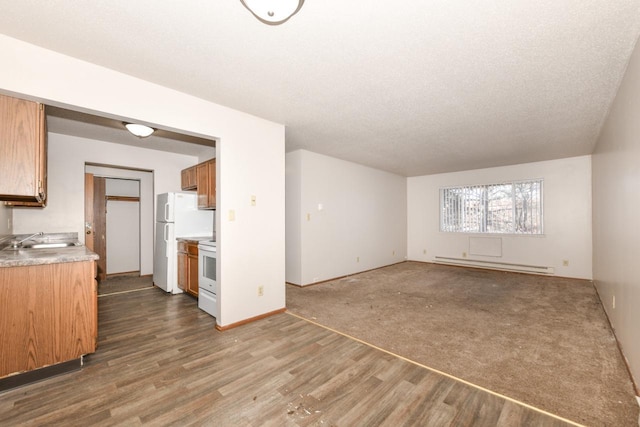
x=500, y=208
x=497, y=208
x=528, y=207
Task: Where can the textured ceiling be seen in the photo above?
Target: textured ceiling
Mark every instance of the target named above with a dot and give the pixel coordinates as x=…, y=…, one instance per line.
x=66, y=122
x=411, y=87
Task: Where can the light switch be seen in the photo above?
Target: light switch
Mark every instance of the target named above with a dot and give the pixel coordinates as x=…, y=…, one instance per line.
x=253, y=200
x=320, y=207
x=232, y=215
x=308, y=217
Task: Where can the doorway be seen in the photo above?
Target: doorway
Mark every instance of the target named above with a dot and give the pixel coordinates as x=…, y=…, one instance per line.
x=123, y=238
x=122, y=226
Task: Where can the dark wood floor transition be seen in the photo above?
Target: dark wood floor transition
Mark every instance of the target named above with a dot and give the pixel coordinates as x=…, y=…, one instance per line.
x=160, y=361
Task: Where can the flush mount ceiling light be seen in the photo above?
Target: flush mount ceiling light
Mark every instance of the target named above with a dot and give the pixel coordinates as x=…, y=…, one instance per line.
x=273, y=12
x=141, y=131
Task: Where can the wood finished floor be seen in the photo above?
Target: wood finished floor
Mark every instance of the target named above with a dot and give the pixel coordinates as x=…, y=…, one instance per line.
x=125, y=283
x=160, y=361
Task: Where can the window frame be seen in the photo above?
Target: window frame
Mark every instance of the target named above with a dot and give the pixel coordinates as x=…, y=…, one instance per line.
x=513, y=183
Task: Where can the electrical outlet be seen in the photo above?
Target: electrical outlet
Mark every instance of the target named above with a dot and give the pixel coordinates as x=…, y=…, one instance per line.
x=253, y=200
x=393, y=253
x=464, y=254
x=357, y=259
x=260, y=290
x=308, y=217
x=565, y=263
x=613, y=302
x=424, y=252
x=232, y=215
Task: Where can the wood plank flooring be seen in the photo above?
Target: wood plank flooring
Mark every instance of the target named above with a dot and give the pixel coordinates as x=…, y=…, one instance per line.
x=160, y=362
x=124, y=283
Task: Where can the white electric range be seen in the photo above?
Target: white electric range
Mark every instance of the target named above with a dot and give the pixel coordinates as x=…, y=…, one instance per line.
x=207, y=277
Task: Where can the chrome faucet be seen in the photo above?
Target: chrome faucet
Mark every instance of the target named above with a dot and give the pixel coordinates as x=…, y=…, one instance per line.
x=15, y=244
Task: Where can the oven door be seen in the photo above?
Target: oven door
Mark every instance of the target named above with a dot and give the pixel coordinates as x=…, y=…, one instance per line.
x=207, y=285
x=207, y=269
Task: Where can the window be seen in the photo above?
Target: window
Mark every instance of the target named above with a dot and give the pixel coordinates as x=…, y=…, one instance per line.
x=508, y=208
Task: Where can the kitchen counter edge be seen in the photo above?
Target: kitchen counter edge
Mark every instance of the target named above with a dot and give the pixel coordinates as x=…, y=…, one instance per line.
x=195, y=239
x=28, y=257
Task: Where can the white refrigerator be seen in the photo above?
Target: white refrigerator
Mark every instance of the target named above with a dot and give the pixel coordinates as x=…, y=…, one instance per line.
x=177, y=215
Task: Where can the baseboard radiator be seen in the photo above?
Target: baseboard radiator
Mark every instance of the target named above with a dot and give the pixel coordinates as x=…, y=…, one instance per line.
x=494, y=265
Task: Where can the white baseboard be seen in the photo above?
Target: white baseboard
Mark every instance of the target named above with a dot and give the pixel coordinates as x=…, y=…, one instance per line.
x=494, y=265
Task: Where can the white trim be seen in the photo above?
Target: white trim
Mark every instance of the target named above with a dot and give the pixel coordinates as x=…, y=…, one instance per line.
x=494, y=265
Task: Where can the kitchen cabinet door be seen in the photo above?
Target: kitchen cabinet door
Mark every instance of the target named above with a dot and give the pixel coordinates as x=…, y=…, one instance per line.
x=192, y=283
x=23, y=152
x=206, y=173
x=53, y=311
x=202, y=173
x=211, y=190
x=188, y=266
x=189, y=179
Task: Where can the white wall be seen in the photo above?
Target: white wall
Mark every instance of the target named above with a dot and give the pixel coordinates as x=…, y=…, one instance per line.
x=567, y=216
x=616, y=204
x=124, y=187
x=293, y=208
x=250, y=157
x=123, y=226
x=123, y=237
x=362, y=215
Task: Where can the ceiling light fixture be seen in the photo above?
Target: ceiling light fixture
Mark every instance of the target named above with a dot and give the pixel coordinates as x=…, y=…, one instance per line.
x=141, y=131
x=273, y=12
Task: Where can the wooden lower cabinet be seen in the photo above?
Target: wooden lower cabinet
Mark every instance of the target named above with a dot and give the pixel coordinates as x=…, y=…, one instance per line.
x=192, y=265
x=188, y=266
x=48, y=316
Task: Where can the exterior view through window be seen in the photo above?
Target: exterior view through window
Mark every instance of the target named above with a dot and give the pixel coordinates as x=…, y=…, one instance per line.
x=507, y=208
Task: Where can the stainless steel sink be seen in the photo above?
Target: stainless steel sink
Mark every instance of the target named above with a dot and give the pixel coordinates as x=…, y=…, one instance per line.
x=48, y=245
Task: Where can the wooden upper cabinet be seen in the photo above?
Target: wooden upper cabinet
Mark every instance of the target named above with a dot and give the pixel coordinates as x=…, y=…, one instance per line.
x=201, y=177
x=211, y=191
x=23, y=152
x=206, y=173
x=189, y=179
x=203, y=185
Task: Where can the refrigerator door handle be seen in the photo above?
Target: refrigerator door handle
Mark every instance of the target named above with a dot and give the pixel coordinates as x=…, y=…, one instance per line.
x=167, y=206
x=166, y=233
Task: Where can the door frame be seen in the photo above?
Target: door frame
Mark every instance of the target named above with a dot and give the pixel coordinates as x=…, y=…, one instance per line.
x=95, y=220
x=147, y=206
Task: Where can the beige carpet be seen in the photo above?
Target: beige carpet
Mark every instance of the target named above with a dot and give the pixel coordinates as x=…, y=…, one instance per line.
x=541, y=340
